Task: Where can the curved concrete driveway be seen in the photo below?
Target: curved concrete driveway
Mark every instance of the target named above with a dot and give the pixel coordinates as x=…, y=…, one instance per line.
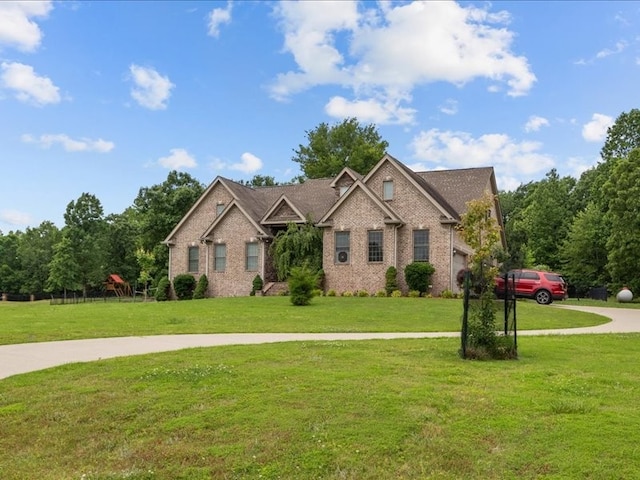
x=29, y=357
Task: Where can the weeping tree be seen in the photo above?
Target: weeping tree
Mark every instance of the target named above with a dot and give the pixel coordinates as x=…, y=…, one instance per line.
x=297, y=246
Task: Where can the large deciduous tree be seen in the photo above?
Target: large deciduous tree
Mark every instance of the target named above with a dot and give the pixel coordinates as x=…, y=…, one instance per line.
x=623, y=245
x=584, y=251
x=159, y=208
x=64, y=271
x=547, y=218
x=623, y=136
x=331, y=148
x=85, y=228
x=36, y=252
x=121, y=239
x=10, y=270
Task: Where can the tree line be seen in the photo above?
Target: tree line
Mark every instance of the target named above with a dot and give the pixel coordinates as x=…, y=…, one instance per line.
x=587, y=229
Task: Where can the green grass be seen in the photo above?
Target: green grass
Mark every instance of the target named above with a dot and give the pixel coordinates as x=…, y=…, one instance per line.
x=40, y=321
x=611, y=303
x=394, y=409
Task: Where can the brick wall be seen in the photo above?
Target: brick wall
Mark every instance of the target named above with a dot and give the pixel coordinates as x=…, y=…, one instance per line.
x=234, y=230
x=360, y=214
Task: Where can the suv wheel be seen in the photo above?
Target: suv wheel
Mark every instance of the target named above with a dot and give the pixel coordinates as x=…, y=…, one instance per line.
x=543, y=297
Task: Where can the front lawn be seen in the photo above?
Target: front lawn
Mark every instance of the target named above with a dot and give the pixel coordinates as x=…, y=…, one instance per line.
x=378, y=410
x=40, y=321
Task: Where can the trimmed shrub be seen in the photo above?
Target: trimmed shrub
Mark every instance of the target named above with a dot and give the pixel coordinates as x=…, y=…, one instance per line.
x=184, y=285
x=162, y=290
x=363, y=293
x=418, y=276
x=331, y=293
x=447, y=294
x=201, y=287
x=302, y=283
x=396, y=294
x=381, y=293
x=391, y=280
x=317, y=292
x=414, y=293
x=256, y=285
x=347, y=293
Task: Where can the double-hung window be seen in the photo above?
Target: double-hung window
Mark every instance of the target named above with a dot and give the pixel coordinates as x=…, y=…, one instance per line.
x=251, y=263
x=343, y=247
x=421, y=245
x=194, y=259
x=220, y=257
x=375, y=246
x=387, y=190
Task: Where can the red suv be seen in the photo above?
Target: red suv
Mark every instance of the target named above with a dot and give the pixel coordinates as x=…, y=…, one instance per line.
x=543, y=287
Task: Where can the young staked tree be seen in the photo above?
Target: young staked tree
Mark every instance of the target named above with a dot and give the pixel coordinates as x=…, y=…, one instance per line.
x=346, y=144
x=480, y=230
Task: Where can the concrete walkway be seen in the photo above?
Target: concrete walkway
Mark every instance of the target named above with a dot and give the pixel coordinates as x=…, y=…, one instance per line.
x=29, y=357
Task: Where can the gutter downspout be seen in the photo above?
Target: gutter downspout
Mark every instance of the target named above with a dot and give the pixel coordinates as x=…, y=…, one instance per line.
x=451, y=254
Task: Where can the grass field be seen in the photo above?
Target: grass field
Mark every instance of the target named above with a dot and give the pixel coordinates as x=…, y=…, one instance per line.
x=383, y=410
x=394, y=409
x=39, y=321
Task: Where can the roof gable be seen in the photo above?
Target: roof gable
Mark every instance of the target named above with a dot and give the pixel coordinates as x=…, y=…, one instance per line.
x=217, y=181
x=282, y=211
x=421, y=185
x=225, y=212
x=390, y=216
x=346, y=172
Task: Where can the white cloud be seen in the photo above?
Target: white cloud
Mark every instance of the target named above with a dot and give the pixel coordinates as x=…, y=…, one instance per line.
x=606, y=52
x=249, y=163
x=17, y=27
x=449, y=107
x=178, y=159
x=151, y=90
x=596, y=129
x=15, y=217
x=217, y=17
x=370, y=110
x=27, y=86
x=619, y=47
x=390, y=49
x=461, y=150
x=69, y=144
x=535, y=123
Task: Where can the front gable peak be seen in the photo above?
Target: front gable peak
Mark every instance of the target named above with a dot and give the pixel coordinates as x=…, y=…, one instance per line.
x=282, y=211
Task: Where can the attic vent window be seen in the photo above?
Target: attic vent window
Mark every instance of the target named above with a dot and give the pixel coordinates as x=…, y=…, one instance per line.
x=343, y=189
x=219, y=208
x=387, y=190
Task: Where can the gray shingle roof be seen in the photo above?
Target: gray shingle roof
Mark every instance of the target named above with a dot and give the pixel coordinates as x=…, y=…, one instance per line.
x=459, y=186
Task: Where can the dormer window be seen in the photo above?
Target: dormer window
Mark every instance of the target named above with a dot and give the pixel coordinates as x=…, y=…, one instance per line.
x=387, y=190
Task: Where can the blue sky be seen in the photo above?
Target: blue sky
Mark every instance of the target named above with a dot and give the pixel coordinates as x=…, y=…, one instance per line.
x=108, y=97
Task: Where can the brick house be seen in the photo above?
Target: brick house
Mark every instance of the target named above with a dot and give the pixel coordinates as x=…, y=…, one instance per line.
x=390, y=217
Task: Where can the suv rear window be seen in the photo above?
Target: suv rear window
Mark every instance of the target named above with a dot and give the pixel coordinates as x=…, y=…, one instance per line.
x=554, y=278
x=530, y=276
